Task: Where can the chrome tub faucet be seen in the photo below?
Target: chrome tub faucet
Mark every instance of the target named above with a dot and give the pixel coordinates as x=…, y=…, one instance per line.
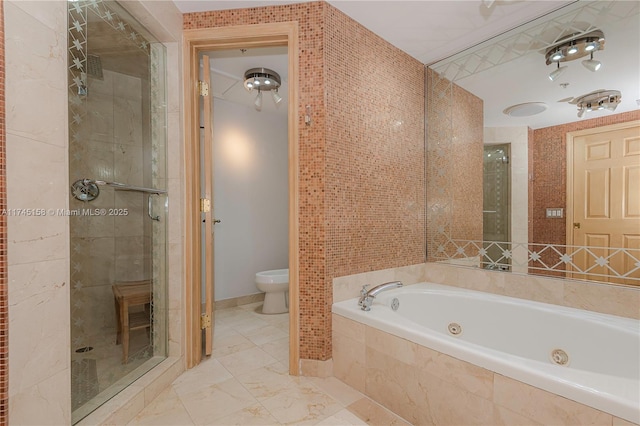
x=367, y=296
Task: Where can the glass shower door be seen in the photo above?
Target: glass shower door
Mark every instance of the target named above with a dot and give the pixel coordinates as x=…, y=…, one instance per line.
x=117, y=203
x=496, y=208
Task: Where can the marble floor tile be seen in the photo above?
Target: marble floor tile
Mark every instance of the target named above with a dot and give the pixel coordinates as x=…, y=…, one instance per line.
x=253, y=415
x=230, y=343
x=246, y=382
x=279, y=349
x=343, y=417
x=201, y=377
x=268, y=381
x=217, y=401
x=301, y=404
x=247, y=360
x=267, y=334
x=166, y=409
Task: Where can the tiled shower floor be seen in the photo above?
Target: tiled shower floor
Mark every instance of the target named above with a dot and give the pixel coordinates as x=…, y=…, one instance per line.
x=99, y=373
x=245, y=382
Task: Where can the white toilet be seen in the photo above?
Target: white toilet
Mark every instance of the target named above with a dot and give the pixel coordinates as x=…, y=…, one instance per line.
x=275, y=284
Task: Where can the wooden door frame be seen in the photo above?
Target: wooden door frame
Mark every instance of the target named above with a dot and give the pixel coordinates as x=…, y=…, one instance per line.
x=570, y=137
x=222, y=38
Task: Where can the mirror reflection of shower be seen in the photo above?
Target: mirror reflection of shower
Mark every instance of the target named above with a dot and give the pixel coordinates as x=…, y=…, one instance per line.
x=496, y=206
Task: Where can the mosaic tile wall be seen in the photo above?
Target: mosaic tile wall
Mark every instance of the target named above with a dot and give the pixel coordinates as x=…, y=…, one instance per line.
x=4, y=308
x=454, y=165
x=548, y=175
x=468, y=154
x=375, y=193
x=357, y=164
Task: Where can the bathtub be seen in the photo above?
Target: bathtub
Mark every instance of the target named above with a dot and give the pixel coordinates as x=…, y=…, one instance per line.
x=596, y=360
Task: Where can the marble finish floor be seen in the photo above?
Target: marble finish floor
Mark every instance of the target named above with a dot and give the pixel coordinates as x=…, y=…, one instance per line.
x=246, y=382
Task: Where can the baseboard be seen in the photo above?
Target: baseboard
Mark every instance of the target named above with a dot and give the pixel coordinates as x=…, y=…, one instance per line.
x=316, y=368
x=239, y=301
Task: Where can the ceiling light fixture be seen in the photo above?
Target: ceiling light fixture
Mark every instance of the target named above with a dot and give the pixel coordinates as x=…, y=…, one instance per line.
x=557, y=72
x=258, y=101
x=592, y=64
x=598, y=100
x=276, y=98
x=262, y=79
x=574, y=48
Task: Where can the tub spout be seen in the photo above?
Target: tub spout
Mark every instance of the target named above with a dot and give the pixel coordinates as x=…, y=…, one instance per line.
x=366, y=296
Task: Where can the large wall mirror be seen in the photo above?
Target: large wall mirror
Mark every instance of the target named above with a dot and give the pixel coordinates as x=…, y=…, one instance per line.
x=533, y=148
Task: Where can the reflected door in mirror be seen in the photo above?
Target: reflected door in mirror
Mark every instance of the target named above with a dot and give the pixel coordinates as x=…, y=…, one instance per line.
x=606, y=204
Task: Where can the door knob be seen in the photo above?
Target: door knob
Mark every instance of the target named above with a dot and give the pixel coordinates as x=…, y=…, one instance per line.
x=214, y=221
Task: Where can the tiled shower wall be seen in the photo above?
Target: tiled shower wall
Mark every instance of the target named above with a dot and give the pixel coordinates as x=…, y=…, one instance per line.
x=548, y=172
x=361, y=163
x=4, y=318
x=112, y=248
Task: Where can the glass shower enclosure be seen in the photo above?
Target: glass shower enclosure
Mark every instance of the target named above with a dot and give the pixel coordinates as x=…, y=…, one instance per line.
x=496, y=210
x=117, y=201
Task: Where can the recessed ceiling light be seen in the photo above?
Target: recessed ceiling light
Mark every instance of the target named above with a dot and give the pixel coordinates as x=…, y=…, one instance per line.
x=526, y=109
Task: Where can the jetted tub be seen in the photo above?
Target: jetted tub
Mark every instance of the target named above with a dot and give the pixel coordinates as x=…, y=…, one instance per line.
x=585, y=356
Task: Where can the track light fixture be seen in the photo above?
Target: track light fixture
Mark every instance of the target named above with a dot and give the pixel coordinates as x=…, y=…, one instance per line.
x=592, y=64
x=276, y=97
x=262, y=79
x=598, y=100
x=574, y=48
x=557, y=72
x=258, y=101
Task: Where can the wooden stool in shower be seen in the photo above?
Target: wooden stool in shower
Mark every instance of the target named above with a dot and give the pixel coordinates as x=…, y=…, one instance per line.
x=128, y=294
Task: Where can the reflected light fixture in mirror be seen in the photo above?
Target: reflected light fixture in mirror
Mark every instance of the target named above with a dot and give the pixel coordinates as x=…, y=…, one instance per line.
x=557, y=72
x=458, y=125
x=576, y=48
x=598, y=100
x=591, y=64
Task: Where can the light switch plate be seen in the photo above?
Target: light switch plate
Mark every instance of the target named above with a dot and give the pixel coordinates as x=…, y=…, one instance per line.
x=555, y=213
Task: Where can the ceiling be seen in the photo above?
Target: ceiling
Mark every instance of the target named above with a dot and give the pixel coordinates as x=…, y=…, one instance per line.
x=431, y=31
x=425, y=29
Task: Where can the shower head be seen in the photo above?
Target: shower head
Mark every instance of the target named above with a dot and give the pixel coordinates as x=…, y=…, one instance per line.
x=94, y=66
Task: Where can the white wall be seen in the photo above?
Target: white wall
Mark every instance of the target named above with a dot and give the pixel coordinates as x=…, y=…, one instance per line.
x=250, y=160
x=517, y=137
